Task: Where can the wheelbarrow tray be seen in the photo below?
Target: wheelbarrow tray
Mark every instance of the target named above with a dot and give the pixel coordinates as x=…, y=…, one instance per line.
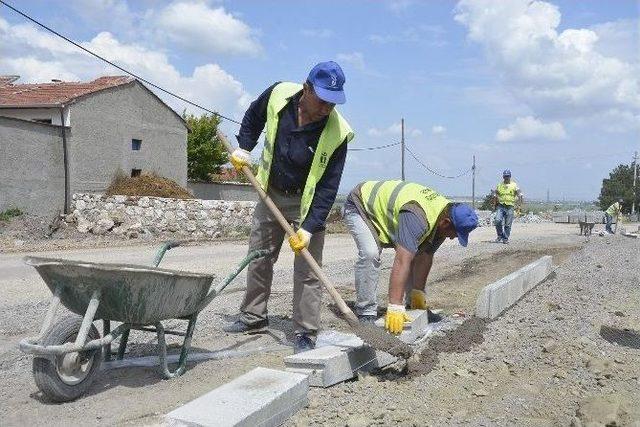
x=129, y=293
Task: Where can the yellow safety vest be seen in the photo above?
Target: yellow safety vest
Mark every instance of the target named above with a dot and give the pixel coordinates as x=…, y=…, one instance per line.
x=382, y=201
x=507, y=193
x=336, y=131
x=614, y=209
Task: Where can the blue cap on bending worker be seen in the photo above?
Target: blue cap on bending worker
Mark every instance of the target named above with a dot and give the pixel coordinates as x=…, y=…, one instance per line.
x=464, y=220
x=328, y=80
x=506, y=172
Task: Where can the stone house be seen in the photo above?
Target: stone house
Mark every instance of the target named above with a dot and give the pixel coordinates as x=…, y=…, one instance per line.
x=61, y=138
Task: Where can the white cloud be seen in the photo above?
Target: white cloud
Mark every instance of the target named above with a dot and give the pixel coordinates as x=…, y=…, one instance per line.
x=199, y=28
x=438, y=130
x=356, y=59
x=557, y=74
x=394, y=130
x=531, y=129
x=208, y=84
x=319, y=33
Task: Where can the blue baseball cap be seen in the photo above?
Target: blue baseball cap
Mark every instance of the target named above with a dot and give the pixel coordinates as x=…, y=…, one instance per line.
x=328, y=80
x=506, y=172
x=464, y=220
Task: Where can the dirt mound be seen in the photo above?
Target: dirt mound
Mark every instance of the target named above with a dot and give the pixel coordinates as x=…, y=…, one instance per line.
x=146, y=184
x=459, y=340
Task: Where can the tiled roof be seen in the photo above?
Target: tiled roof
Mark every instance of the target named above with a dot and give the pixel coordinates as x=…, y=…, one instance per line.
x=55, y=93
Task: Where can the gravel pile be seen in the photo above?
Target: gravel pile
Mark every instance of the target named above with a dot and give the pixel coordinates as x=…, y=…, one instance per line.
x=531, y=218
x=544, y=362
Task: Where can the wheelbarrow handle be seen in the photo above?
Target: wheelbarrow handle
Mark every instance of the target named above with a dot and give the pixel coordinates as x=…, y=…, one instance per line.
x=241, y=266
x=164, y=248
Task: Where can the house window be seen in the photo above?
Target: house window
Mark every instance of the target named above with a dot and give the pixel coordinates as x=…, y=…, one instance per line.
x=47, y=121
x=135, y=172
x=136, y=144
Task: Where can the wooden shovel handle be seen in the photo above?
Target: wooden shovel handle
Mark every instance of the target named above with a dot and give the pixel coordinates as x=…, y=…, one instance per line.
x=348, y=314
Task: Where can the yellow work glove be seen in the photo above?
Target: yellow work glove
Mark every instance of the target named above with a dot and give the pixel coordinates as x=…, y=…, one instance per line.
x=300, y=240
x=240, y=158
x=418, y=301
x=395, y=318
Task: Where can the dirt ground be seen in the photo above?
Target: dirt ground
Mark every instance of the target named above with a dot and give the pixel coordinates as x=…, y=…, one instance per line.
x=139, y=396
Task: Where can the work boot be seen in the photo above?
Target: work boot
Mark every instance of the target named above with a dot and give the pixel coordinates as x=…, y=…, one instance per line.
x=505, y=241
x=367, y=318
x=303, y=342
x=499, y=240
x=239, y=327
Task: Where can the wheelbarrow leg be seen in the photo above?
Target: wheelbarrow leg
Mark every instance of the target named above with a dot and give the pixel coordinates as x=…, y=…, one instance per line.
x=106, y=329
x=186, y=345
x=123, y=344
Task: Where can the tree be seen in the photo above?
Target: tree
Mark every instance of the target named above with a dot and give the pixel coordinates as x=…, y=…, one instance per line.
x=619, y=185
x=205, y=152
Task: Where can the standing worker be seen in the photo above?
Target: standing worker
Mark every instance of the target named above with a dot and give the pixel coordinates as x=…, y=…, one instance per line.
x=300, y=169
x=613, y=211
x=507, y=192
x=414, y=220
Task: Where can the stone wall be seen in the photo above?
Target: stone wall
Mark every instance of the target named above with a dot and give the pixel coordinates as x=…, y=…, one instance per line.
x=135, y=217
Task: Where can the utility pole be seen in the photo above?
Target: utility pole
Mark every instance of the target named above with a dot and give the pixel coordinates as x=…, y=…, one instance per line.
x=473, y=183
x=547, y=195
x=402, y=146
x=635, y=174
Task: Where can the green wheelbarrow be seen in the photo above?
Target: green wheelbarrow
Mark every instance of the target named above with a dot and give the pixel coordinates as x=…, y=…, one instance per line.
x=68, y=353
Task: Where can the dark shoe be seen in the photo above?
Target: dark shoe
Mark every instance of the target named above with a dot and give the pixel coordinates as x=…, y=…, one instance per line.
x=367, y=319
x=433, y=317
x=303, y=343
x=499, y=240
x=239, y=327
x=505, y=241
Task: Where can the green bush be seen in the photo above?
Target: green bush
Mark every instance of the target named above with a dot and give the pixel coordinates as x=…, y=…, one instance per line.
x=10, y=213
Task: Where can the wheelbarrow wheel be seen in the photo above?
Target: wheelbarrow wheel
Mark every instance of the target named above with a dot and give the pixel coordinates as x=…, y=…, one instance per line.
x=71, y=375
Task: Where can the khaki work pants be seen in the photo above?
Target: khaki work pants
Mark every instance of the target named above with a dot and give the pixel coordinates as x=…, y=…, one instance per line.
x=266, y=233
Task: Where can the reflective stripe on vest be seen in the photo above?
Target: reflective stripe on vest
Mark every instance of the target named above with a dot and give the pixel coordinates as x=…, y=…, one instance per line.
x=382, y=201
x=507, y=193
x=335, y=132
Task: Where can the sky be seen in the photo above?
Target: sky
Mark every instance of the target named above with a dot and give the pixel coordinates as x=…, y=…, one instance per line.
x=547, y=89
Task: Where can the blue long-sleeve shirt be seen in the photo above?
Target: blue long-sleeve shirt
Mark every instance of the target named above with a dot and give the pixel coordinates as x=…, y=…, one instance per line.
x=294, y=149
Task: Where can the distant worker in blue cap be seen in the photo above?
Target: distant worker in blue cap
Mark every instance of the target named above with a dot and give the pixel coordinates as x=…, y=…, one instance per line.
x=413, y=219
x=506, y=194
x=300, y=168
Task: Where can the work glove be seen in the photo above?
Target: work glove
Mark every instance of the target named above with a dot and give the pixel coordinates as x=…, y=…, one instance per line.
x=300, y=240
x=417, y=300
x=240, y=158
x=395, y=318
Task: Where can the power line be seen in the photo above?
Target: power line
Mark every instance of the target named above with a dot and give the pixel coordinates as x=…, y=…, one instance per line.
x=435, y=172
x=379, y=147
x=168, y=92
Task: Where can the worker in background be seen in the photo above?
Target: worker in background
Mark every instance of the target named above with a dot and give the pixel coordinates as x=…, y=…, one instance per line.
x=414, y=220
x=506, y=194
x=300, y=169
x=613, y=211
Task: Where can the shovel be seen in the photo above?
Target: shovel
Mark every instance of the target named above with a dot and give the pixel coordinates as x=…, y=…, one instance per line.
x=370, y=334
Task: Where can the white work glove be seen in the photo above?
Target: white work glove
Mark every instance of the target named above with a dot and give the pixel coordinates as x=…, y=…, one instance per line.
x=240, y=158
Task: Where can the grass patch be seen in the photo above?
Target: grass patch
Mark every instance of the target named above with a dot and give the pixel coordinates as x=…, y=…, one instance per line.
x=8, y=214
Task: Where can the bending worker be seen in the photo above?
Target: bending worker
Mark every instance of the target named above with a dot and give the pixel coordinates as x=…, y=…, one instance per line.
x=613, y=211
x=300, y=168
x=414, y=220
x=507, y=192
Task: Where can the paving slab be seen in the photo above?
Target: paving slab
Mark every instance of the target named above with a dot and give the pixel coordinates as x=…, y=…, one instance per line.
x=495, y=298
x=262, y=397
x=413, y=330
x=338, y=357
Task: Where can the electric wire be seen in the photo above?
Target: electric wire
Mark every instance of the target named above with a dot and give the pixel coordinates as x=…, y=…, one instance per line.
x=379, y=147
x=124, y=70
x=421, y=163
